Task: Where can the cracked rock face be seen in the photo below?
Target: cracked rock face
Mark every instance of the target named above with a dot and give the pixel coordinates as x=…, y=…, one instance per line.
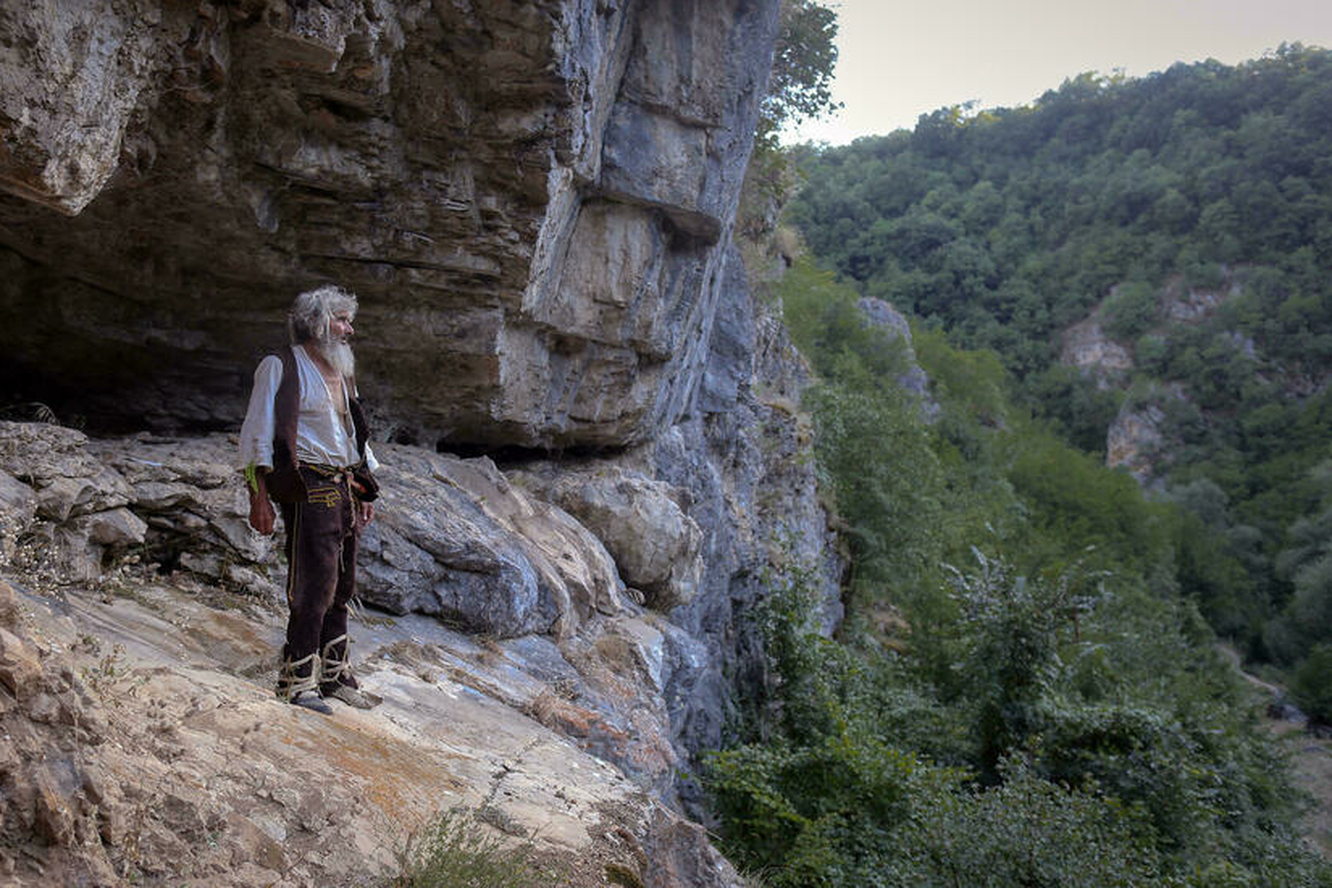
x=531, y=198
x=535, y=202
x=453, y=538
x=140, y=744
x=656, y=546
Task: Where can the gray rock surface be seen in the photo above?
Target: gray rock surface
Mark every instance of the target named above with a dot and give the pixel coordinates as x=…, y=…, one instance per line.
x=734, y=484
x=1087, y=346
x=459, y=541
x=454, y=545
x=142, y=744
x=654, y=543
x=18, y=509
x=455, y=540
x=740, y=469
x=913, y=378
x=533, y=200
x=747, y=465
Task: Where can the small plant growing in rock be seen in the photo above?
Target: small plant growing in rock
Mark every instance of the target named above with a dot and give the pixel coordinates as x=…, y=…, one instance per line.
x=458, y=852
x=111, y=677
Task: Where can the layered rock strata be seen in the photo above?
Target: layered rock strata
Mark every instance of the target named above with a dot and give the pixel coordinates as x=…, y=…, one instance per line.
x=456, y=539
x=142, y=746
x=533, y=200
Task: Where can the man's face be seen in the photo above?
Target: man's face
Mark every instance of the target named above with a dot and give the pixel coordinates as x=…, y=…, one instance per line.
x=340, y=327
x=337, y=349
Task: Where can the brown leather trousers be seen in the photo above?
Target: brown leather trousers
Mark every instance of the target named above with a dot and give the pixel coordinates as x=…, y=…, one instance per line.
x=321, y=567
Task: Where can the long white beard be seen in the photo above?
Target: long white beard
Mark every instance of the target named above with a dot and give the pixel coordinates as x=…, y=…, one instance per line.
x=339, y=356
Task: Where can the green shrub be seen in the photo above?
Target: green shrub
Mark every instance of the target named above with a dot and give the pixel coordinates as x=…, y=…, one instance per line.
x=1131, y=310
x=1089, y=747
x=457, y=852
x=1015, y=626
x=1029, y=831
x=999, y=731
x=1312, y=684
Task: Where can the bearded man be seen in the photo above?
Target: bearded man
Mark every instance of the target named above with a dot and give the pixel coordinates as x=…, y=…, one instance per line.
x=304, y=446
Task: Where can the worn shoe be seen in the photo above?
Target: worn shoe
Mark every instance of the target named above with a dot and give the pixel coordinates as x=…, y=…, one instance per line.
x=301, y=689
x=311, y=700
x=351, y=696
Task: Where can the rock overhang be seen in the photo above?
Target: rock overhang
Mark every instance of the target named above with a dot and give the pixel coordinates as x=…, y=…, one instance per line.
x=532, y=200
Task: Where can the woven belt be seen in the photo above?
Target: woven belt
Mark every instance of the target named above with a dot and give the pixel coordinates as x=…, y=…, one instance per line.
x=336, y=474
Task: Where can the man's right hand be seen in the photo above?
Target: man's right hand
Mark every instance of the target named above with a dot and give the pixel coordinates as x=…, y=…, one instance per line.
x=261, y=514
x=261, y=507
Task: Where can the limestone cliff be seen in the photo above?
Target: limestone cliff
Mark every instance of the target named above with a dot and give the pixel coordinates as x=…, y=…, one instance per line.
x=1135, y=439
x=533, y=200
x=593, y=455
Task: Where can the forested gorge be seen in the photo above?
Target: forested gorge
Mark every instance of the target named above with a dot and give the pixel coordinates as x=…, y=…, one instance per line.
x=1193, y=210
x=1027, y=689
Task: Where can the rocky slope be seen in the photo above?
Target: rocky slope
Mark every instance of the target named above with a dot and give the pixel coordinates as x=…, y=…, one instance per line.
x=1134, y=439
x=521, y=677
x=142, y=745
x=604, y=601
x=535, y=202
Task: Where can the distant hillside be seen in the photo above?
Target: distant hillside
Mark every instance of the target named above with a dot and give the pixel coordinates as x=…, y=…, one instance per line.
x=1170, y=238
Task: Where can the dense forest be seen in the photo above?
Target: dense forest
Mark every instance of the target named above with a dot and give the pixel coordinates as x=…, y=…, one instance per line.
x=1027, y=689
x=1191, y=212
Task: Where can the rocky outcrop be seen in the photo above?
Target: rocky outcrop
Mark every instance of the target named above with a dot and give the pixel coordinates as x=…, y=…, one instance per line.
x=1182, y=303
x=533, y=200
x=912, y=378
x=1134, y=441
x=455, y=539
x=459, y=541
x=594, y=671
x=142, y=745
x=1087, y=347
x=1137, y=439
x=745, y=458
x=654, y=543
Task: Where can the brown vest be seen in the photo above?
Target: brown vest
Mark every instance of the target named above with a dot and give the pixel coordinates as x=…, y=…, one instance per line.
x=284, y=482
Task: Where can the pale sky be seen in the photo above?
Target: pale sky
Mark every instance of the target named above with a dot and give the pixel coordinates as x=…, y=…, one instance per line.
x=898, y=60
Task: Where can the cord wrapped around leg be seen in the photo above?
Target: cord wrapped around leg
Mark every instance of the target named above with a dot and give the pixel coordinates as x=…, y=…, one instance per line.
x=298, y=683
x=337, y=681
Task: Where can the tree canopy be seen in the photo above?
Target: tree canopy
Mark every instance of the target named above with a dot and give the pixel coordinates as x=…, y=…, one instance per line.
x=1189, y=215
x=804, y=58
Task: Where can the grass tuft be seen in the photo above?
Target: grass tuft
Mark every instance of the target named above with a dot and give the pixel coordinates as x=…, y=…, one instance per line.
x=458, y=852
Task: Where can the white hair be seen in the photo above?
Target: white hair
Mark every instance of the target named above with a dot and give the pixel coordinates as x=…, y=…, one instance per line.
x=313, y=310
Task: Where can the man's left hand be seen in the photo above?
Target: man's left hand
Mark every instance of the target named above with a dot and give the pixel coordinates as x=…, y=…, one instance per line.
x=365, y=512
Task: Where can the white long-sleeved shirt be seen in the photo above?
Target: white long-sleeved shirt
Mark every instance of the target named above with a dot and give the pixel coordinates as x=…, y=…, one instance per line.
x=323, y=436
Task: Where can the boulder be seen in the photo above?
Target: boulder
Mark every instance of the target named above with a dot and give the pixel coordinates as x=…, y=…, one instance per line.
x=19, y=667
x=67, y=480
x=913, y=378
x=454, y=538
x=656, y=546
x=18, y=508
x=114, y=527
x=10, y=612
